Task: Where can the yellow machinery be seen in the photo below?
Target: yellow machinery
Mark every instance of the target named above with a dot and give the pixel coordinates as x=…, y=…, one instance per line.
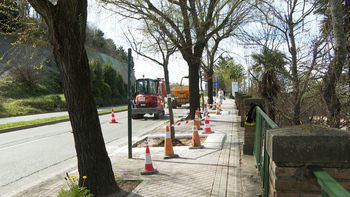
x=181, y=93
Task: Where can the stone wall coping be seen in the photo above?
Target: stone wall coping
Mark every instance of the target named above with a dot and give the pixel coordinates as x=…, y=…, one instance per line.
x=308, y=145
x=259, y=101
x=244, y=96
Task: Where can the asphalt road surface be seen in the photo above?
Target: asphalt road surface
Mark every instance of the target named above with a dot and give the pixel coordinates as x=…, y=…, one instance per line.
x=31, y=156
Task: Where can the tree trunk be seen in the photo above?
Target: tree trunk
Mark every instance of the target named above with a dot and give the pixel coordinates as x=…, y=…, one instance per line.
x=66, y=22
x=210, y=86
x=168, y=91
x=335, y=68
x=347, y=33
x=295, y=76
x=194, y=87
x=271, y=108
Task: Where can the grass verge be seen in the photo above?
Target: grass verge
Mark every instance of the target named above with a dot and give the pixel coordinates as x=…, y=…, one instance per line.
x=40, y=104
x=42, y=120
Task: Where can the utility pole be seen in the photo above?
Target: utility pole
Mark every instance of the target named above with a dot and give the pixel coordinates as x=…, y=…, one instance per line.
x=130, y=64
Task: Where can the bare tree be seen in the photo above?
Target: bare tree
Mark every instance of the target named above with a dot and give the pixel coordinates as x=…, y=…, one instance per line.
x=211, y=57
x=66, y=21
x=336, y=65
x=208, y=68
x=212, y=47
x=290, y=19
x=187, y=24
x=159, y=44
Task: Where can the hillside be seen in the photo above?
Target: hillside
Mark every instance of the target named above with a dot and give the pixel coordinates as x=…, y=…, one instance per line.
x=12, y=54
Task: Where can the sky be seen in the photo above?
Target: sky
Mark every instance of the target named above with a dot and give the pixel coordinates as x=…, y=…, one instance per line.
x=113, y=28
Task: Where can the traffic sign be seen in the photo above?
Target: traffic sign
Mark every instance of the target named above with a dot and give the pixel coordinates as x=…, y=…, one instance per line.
x=234, y=88
x=216, y=84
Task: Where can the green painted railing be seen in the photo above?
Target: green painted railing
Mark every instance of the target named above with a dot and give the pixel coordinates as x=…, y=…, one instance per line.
x=262, y=159
x=330, y=187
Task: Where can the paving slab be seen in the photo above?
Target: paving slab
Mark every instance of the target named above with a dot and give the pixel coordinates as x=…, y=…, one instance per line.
x=219, y=169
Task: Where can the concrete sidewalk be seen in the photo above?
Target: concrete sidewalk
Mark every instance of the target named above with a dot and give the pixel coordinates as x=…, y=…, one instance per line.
x=219, y=169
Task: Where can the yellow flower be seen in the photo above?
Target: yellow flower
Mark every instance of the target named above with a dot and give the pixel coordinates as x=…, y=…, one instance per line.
x=71, y=176
x=115, y=174
x=75, y=177
x=63, y=183
x=84, y=177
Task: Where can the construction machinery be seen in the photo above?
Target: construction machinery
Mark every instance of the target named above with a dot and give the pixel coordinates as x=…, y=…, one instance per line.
x=149, y=98
x=181, y=93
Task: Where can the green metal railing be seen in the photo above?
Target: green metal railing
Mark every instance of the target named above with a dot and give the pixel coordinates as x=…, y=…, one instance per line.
x=330, y=187
x=262, y=159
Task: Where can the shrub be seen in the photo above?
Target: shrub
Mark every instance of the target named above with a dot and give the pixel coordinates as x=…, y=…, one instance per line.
x=110, y=78
x=26, y=73
x=107, y=84
x=53, y=81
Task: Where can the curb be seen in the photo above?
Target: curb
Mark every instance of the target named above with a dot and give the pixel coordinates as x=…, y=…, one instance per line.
x=32, y=126
x=137, y=189
x=46, y=123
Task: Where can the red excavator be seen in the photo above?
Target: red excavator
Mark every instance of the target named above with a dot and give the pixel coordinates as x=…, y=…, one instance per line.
x=149, y=98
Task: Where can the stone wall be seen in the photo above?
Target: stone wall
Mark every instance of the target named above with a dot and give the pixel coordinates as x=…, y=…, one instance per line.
x=242, y=110
x=249, y=130
x=293, y=149
x=237, y=96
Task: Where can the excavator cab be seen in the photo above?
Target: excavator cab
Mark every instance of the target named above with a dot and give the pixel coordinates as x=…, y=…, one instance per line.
x=146, y=86
x=148, y=98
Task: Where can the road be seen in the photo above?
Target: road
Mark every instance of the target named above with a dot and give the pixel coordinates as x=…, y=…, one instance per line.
x=30, y=156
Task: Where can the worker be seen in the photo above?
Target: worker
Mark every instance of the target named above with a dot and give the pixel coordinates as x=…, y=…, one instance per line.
x=221, y=95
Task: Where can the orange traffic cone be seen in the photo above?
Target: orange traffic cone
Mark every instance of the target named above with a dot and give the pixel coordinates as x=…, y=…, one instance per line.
x=220, y=107
x=148, y=165
x=168, y=145
x=196, y=142
x=207, y=128
x=218, y=110
x=113, y=118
